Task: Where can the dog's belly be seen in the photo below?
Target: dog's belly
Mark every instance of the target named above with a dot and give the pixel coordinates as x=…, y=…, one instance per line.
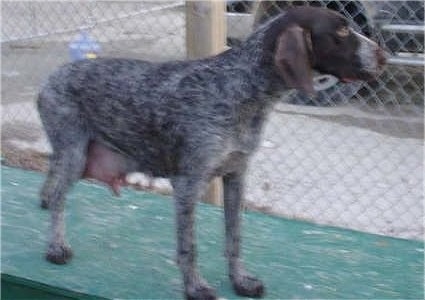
x=110, y=167
x=151, y=154
x=106, y=166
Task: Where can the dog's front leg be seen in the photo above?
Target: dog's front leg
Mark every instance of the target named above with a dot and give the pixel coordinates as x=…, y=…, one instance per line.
x=187, y=191
x=244, y=283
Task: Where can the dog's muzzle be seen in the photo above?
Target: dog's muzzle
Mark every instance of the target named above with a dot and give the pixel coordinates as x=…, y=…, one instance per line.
x=372, y=57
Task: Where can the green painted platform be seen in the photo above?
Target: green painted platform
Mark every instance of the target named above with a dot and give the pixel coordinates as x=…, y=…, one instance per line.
x=124, y=248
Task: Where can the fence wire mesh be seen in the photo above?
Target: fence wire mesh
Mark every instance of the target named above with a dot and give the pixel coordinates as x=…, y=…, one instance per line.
x=352, y=157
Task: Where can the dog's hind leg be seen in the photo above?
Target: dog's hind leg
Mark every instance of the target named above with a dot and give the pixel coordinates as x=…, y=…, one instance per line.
x=66, y=167
x=243, y=283
x=69, y=141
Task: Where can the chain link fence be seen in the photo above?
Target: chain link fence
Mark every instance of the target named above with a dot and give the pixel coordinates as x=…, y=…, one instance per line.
x=352, y=157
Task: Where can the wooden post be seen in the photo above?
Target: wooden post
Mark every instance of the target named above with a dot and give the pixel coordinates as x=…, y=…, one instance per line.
x=205, y=28
x=206, y=36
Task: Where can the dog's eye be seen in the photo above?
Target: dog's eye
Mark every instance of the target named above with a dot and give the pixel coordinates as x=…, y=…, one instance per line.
x=343, y=31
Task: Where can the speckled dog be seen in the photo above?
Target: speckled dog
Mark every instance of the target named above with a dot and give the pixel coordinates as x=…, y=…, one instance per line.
x=189, y=121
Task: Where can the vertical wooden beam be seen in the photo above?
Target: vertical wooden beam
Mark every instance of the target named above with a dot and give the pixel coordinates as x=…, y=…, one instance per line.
x=205, y=28
x=214, y=193
x=206, y=36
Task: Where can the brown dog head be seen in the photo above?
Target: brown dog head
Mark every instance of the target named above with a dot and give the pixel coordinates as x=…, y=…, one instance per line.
x=321, y=39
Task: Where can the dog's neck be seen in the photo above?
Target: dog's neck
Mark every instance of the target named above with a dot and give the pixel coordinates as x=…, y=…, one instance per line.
x=257, y=53
x=260, y=45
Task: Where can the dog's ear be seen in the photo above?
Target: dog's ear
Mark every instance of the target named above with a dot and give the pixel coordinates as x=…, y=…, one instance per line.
x=292, y=59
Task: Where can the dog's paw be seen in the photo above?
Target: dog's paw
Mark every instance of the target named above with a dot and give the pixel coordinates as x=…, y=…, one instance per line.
x=248, y=286
x=59, y=254
x=200, y=292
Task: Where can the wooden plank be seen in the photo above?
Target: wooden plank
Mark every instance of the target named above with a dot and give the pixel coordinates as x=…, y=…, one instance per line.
x=124, y=248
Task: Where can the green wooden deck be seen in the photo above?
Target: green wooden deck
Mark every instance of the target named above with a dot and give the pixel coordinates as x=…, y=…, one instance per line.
x=124, y=248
